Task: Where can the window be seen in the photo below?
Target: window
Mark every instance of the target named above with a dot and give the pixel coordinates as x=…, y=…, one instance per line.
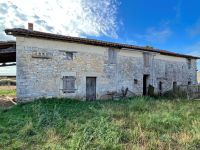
x=69, y=84
x=189, y=61
x=189, y=82
x=69, y=55
x=135, y=81
x=112, y=56
x=146, y=59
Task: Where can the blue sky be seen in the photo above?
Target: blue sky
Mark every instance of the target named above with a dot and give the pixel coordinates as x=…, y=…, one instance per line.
x=171, y=24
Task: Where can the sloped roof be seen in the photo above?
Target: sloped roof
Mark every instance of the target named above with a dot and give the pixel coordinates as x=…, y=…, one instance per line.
x=43, y=35
x=7, y=51
x=7, y=44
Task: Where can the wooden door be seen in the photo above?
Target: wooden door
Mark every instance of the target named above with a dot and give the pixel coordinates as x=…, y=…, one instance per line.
x=91, y=88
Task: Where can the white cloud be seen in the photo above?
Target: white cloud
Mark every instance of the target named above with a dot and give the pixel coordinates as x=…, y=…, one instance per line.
x=194, y=50
x=131, y=42
x=178, y=10
x=155, y=35
x=68, y=17
x=195, y=29
x=158, y=35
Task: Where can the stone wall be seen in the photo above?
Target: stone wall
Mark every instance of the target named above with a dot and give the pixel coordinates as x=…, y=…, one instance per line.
x=42, y=76
x=198, y=77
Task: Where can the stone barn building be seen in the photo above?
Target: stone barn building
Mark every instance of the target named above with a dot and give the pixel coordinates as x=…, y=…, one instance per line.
x=198, y=77
x=50, y=65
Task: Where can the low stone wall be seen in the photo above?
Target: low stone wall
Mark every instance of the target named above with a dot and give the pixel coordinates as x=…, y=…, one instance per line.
x=193, y=91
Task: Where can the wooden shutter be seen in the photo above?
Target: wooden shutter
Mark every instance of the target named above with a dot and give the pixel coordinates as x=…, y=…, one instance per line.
x=146, y=59
x=112, y=56
x=69, y=84
x=189, y=61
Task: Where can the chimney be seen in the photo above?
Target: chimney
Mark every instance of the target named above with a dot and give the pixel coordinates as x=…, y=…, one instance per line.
x=30, y=26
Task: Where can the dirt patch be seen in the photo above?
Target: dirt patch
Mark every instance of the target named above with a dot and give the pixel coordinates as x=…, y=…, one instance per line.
x=7, y=87
x=7, y=101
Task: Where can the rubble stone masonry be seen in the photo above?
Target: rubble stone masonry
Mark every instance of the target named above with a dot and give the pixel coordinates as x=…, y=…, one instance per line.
x=41, y=65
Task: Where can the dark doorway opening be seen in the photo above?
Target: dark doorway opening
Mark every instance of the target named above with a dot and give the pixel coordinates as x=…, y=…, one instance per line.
x=145, y=84
x=90, y=88
x=7, y=73
x=174, y=86
x=160, y=88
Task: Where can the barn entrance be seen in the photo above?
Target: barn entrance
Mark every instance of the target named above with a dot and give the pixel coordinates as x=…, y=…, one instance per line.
x=145, y=84
x=90, y=88
x=7, y=73
x=7, y=53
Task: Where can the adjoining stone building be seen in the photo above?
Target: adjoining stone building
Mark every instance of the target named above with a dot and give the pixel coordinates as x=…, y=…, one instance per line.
x=198, y=77
x=50, y=65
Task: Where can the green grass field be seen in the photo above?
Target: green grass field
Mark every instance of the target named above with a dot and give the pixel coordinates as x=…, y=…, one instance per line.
x=133, y=124
x=8, y=91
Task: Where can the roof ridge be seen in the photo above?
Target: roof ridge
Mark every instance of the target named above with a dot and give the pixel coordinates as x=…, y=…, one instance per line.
x=45, y=35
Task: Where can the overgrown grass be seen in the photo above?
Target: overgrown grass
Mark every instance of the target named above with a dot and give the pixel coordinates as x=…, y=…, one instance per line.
x=7, y=92
x=137, y=123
